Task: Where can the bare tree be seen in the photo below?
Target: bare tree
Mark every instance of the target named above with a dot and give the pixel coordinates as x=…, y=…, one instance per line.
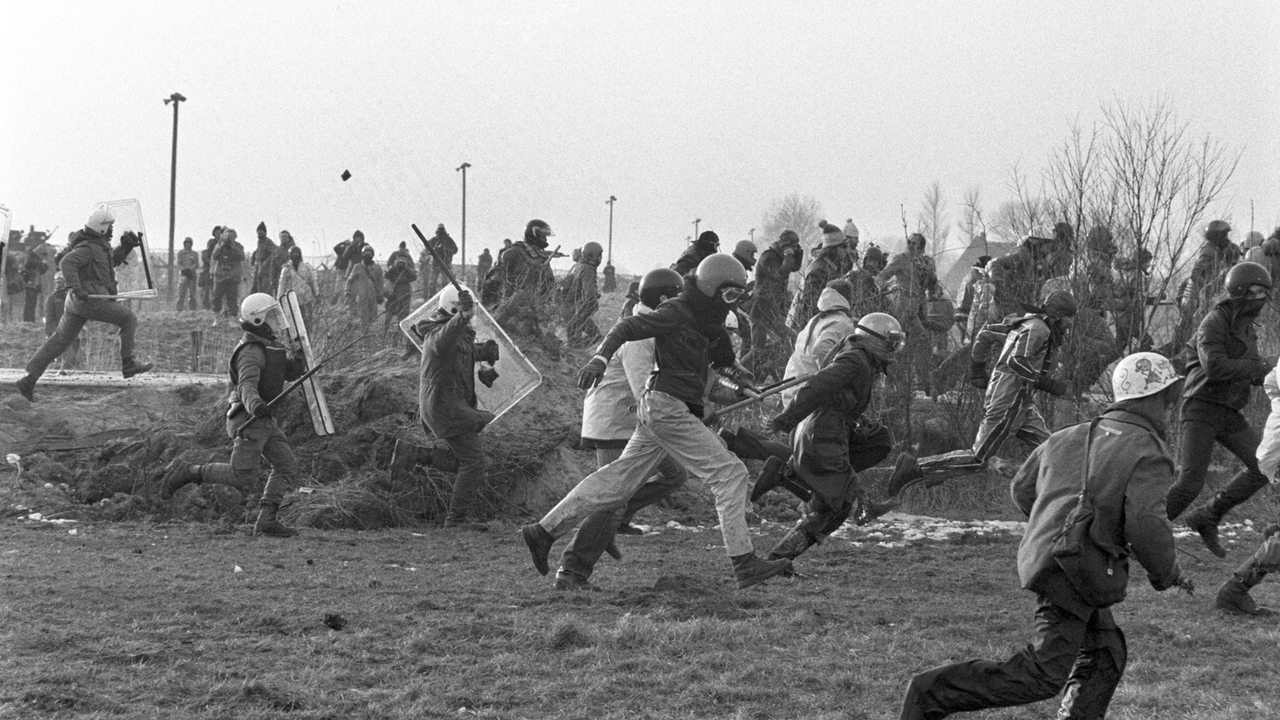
x=797, y=212
x=1026, y=214
x=931, y=221
x=971, y=224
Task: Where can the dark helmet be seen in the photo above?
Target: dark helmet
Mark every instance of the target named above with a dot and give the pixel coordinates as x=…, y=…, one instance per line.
x=592, y=252
x=708, y=241
x=1060, y=304
x=717, y=271
x=1271, y=246
x=1242, y=276
x=659, y=283
x=537, y=232
x=745, y=251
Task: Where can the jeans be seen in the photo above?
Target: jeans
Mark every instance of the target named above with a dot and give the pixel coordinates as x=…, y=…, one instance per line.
x=666, y=427
x=72, y=323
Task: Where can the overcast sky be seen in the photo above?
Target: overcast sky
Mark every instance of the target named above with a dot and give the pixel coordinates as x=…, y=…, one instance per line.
x=682, y=110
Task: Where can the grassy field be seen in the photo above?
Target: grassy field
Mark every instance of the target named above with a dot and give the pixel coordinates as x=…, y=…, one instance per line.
x=184, y=620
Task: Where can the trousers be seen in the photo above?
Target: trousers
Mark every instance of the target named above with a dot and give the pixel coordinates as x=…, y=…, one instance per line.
x=262, y=439
x=72, y=323
x=1086, y=656
x=473, y=468
x=1007, y=412
x=1203, y=424
x=666, y=427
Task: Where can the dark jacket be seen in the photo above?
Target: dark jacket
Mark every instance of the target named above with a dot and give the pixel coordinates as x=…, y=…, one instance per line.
x=89, y=265
x=1014, y=279
x=267, y=261
x=1224, y=361
x=829, y=263
x=1129, y=471
x=447, y=378
x=522, y=268
x=690, y=259
x=689, y=334
x=772, y=271
x=259, y=369
x=228, y=260
x=844, y=383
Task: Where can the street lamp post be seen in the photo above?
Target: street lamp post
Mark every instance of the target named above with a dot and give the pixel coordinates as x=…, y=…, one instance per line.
x=610, y=203
x=695, y=228
x=752, y=233
x=173, y=181
x=463, y=169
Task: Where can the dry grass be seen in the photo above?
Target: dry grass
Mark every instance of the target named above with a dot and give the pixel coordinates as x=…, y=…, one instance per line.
x=144, y=621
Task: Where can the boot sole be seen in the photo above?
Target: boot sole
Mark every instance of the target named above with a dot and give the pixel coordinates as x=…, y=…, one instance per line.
x=529, y=533
x=782, y=569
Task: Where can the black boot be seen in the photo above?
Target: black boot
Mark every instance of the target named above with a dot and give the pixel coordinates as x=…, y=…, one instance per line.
x=1233, y=596
x=539, y=542
x=905, y=473
x=792, y=545
x=26, y=387
x=131, y=367
x=268, y=524
x=1204, y=520
x=751, y=570
x=769, y=478
x=176, y=475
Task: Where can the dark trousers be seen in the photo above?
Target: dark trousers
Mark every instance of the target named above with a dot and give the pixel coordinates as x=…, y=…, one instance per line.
x=187, y=292
x=1085, y=655
x=226, y=297
x=1203, y=424
x=472, y=468
x=31, y=305
x=72, y=323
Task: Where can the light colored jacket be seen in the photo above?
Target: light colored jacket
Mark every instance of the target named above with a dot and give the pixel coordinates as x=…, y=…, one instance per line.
x=1269, y=448
x=302, y=281
x=608, y=411
x=822, y=333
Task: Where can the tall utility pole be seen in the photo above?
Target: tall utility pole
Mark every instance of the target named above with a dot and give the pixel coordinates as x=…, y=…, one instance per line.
x=695, y=228
x=173, y=181
x=610, y=203
x=752, y=233
x=463, y=169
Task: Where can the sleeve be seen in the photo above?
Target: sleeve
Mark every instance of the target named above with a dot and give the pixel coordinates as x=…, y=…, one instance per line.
x=720, y=352
x=71, y=265
x=452, y=331
x=1212, y=338
x=286, y=281
x=792, y=259
x=120, y=254
x=1146, y=527
x=249, y=364
x=1023, y=486
x=823, y=388
x=1028, y=344
x=666, y=319
x=892, y=270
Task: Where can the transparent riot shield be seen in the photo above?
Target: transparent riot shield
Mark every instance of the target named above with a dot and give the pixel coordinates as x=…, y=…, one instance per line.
x=4, y=255
x=321, y=420
x=134, y=278
x=517, y=377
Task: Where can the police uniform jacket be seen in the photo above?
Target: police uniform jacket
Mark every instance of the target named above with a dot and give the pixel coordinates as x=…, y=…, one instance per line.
x=447, y=384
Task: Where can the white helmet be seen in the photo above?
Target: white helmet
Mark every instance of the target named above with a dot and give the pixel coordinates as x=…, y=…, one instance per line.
x=100, y=220
x=256, y=307
x=448, y=299
x=1142, y=374
x=884, y=327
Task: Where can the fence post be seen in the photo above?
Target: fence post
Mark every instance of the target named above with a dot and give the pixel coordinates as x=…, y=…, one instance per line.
x=197, y=345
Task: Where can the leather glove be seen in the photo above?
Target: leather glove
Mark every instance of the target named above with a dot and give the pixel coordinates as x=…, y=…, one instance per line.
x=131, y=239
x=1051, y=385
x=780, y=423
x=591, y=373
x=487, y=351
x=261, y=410
x=466, y=303
x=487, y=376
x=80, y=295
x=978, y=375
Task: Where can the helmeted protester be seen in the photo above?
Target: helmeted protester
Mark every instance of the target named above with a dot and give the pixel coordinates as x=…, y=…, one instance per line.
x=299, y=277
x=1234, y=596
x=364, y=286
x=188, y=263
x=228, y=264
x=689, y=334
x=706, y=245
x=1121, y=462
x=580, y=298
x=830, y=262
x=261, y=366
x=831, y=443
x=521, y=286
x=608, y=422
x=88, y=267
x=772, y=297
x=266, y=261
x=1025, y=364
x=447, y=403
x=1223, y=366
x=746, y=252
